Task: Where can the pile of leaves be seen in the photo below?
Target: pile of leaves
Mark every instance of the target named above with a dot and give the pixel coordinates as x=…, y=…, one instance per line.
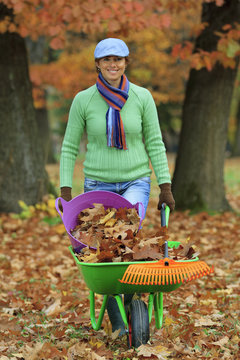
x=113, y=235
x=95, y=224
x=45, y=308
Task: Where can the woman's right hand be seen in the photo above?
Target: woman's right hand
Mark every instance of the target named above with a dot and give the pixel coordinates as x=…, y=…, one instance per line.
x=166, y=196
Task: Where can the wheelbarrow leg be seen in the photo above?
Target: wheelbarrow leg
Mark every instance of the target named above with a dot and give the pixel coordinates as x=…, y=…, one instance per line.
x=114, y=313
x=158, y=309
x=97, y=324
x=156, y=300
x=122, y=309
x=150, y=306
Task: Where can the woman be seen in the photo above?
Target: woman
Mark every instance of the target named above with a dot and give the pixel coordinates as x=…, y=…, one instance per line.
x=123, y=132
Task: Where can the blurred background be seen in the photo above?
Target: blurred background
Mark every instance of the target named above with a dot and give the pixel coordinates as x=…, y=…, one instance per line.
x=185, y=53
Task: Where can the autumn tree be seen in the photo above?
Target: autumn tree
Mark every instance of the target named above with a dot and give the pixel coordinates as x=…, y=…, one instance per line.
x=198, y=178
x=22, y=173
x=59, y=19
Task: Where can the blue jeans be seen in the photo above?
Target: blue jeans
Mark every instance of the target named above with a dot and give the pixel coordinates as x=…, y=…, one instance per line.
x=134, y=191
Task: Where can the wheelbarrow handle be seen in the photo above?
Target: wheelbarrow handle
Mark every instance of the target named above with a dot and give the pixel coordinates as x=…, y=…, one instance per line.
x=165, y=211
x=63, y=202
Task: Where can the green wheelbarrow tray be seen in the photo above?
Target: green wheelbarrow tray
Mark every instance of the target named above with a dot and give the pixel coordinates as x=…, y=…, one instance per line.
x=103, y=278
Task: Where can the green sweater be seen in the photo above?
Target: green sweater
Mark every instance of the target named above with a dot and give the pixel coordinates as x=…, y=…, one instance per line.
x=103, y=163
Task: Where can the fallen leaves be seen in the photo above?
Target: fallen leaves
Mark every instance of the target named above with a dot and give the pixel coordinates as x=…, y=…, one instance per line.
x=116, y=236
x=38, y=273
x=98, y=223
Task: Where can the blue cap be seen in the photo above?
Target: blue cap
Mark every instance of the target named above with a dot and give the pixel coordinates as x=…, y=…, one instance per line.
x=111, y=46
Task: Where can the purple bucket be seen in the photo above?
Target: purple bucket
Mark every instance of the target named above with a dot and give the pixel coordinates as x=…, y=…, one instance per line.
x=72, y=208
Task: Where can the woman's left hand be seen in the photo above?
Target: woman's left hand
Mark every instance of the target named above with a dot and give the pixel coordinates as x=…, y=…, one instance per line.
x=166, y=196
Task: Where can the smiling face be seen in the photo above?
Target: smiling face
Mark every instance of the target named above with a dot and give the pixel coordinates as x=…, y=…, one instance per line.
x=112, y=68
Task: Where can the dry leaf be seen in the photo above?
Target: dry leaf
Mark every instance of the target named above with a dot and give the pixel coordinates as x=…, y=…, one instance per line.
x=54, y=308
x=147, y=253
x=107, y=217
x=206, y=321
x=111, y=222
x=168, y=321
x=159, y=351
x=91, y=258
x=222, y=341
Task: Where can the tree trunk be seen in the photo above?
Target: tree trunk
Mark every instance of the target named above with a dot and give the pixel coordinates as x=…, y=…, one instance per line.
x=22, y=171
x=236, y=145
x=38, y=54
x=198, y=181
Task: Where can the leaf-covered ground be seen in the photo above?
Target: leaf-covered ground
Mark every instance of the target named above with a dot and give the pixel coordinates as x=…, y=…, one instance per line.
x=45, y=303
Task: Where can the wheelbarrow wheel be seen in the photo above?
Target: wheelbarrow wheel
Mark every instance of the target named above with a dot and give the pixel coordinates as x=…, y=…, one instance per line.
x=138, y=324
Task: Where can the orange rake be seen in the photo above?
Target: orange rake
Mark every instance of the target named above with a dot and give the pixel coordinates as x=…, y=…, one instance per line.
x=166, y=271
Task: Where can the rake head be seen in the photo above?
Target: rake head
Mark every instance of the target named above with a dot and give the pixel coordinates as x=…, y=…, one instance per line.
x=164, y=272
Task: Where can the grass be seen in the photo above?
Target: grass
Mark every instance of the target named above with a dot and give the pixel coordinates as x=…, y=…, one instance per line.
x=231, y=175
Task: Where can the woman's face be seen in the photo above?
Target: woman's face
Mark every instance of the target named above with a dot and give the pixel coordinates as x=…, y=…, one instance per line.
x=112, y=68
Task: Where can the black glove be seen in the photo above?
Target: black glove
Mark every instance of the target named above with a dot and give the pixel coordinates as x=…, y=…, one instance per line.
x=166, y=196
x=66, y=194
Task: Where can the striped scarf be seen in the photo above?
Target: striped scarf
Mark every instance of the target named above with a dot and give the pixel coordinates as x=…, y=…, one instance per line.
x=116, y=99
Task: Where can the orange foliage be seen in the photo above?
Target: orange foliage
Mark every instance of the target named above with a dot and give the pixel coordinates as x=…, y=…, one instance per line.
x=151, y=62
x=157, y=31
x=55, y=18
x=227, y=50
x=70, y=74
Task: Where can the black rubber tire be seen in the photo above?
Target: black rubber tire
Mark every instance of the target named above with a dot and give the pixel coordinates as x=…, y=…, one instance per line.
x=138, y=324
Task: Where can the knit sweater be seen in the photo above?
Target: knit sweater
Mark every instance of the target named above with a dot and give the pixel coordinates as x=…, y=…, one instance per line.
x=109, y=164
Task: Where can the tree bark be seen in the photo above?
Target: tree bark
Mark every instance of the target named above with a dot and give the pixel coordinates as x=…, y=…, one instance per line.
x=198, y=181
x=236, y=145
x=22, y=171
x=38, y=54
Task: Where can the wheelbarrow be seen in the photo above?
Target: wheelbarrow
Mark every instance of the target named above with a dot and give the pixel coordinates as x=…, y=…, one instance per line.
x=104, y=279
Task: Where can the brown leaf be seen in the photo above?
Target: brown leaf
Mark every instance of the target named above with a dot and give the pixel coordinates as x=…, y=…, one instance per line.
x=121, y=213
x=106, y=218
x=147, y=253
x=133, y=216
x=111, y=230
x=149, y=351
x=105, y=256
x=156, y=240
x=92, y=212
x=111, y=222
x=222, y=341
x=91, y=258
x=128, y=250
